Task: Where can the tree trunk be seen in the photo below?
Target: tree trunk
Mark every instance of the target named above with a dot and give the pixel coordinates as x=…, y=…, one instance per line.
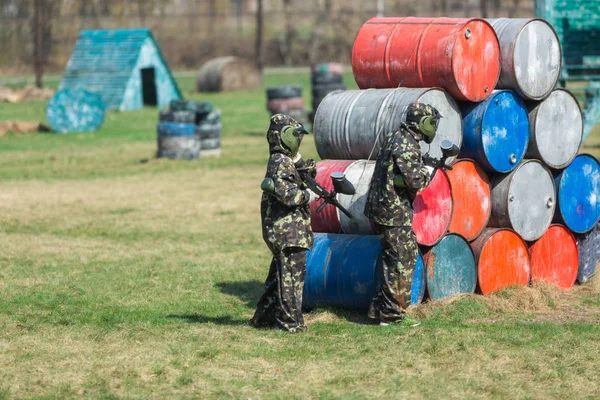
x=259, y=36
x=38, y=43
x=484, y=10
x=317, y=35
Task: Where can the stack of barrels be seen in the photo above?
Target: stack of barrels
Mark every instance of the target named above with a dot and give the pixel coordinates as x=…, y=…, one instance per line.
x=188, y=129
x=518, y=206
x=287, y=99
x=325, y=78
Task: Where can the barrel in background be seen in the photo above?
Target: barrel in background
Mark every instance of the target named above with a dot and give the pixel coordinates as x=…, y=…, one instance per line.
x=524, y=200
x=589, y=254
x=433, y=210
x=352, y=124
x=578, y=194
x=177, y=140
x=530, y=54
x=471, y=198
x=496, y=131
x=554, y=258
x=458, y=54
x=325, y=78
x=341, y=270
x=287, y=99
x=450, y=267
x=555, y=129
x=75, y=111
x=502, y=259
x=209, y=132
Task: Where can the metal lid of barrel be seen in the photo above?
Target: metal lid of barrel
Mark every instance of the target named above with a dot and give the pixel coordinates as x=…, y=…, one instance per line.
x=502, y=259
x=524, y=200
x=531, y=56
x=496, y=131
x=554, y=257
x=75, y=110
x=578, y=188
x=351, y=125
x=341, y=271
x=228, y=74
x=458, y=54
x=555, y=129
x=433, y=210
x=471, y=198
x=450, y=267
x=589, y=254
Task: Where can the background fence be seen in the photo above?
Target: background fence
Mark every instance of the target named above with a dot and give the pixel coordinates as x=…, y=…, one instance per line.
x=192, y=31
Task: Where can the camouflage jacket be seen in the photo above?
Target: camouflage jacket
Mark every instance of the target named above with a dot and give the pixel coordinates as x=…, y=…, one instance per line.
x=399, y=155
x=285, y=213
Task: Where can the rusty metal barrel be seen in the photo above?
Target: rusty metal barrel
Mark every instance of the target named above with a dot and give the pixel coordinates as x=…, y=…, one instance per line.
x=555, y=129
x=524, y=200
x=554, y=257
x=351, y=125
x=531, y=56
x=502, y=260
x=460, y=55
x=589, y=254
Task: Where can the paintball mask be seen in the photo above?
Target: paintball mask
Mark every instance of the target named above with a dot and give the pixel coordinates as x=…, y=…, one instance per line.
x=291, y=137
x=425, y=118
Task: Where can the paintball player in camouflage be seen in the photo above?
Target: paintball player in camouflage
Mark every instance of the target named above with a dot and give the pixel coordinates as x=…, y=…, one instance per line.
x=286, y=227
x=399, y=174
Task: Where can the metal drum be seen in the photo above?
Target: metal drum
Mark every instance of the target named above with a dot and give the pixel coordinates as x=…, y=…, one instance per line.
x=471, y=198
x=589, y=254
x=496, y=131
x=554, y=258
x=352, y=124
x=433, y=210
x=177, y=140
x=341, y=270
x=75, y=110
x=502, y=259
x=458, y=54
x=531, y=56
x=524, y=200
x=578, y=192
x=450, y=267
x=359, y=173
x=555, y=129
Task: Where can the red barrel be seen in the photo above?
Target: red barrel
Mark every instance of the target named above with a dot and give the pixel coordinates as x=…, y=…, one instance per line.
x=554, y=257
x=460, y=55
x=502, y=260
x=433, y=210
x=471, y=197
x=328, y=220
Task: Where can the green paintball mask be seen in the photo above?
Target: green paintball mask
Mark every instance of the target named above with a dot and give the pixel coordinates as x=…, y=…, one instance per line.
x=425, y=118
x=291, y=137
x=428, y=126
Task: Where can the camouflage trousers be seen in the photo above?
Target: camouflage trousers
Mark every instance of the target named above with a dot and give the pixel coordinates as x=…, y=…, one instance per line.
x=399, y=254
x=281, y=303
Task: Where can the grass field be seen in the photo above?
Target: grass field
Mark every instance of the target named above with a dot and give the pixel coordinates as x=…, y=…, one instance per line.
x=124, y=276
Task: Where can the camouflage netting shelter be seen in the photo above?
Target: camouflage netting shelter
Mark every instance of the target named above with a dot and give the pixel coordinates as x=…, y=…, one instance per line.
x=124, y=66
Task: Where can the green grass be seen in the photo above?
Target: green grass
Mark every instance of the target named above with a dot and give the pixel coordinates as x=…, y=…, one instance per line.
x=123, y=276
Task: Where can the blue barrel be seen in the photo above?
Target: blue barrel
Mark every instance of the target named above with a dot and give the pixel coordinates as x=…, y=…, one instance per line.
x=341, y=271
x=450, y=267
x=177, y=140
x=175, y=129
x=496, y=131
x=589, y=254
x=578, y=194
x=75, y=110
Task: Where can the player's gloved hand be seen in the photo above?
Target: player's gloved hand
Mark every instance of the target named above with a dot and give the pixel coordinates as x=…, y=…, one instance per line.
x=311, y=167
x=312, y=195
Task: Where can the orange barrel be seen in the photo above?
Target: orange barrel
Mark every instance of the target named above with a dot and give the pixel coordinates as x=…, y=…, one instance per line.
x=554, y=257
x=471, y=198
x=328, y=220
x=460, y=55
x=502, y=259
x=433, y=210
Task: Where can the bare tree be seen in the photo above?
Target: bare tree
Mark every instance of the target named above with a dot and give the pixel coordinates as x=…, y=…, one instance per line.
x=42, y=37
x=260, y=51
x=323, y=13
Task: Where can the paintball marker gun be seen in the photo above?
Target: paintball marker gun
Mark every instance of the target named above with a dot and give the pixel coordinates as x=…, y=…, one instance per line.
x=449, y=149
x=340, y=185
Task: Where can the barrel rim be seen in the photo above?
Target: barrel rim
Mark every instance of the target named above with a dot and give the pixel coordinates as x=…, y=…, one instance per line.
x=527, y=95
x=534, y=127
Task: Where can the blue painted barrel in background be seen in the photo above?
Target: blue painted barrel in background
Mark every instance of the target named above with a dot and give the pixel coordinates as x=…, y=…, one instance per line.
x=341, y=271
x=450, y=267
x=578, y=194
x=75, y=110
x=589, y=254
x=177, y=140
x=496, y=131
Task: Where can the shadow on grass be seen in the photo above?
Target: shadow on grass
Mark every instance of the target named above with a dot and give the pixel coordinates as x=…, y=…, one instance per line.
x=202, y=319
x=247, y=291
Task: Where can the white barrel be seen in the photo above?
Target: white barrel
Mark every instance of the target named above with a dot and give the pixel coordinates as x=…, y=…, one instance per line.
x=555, y=129
x=524, y=200
x=531, y=56
x=359, y=174
x=352, y=124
